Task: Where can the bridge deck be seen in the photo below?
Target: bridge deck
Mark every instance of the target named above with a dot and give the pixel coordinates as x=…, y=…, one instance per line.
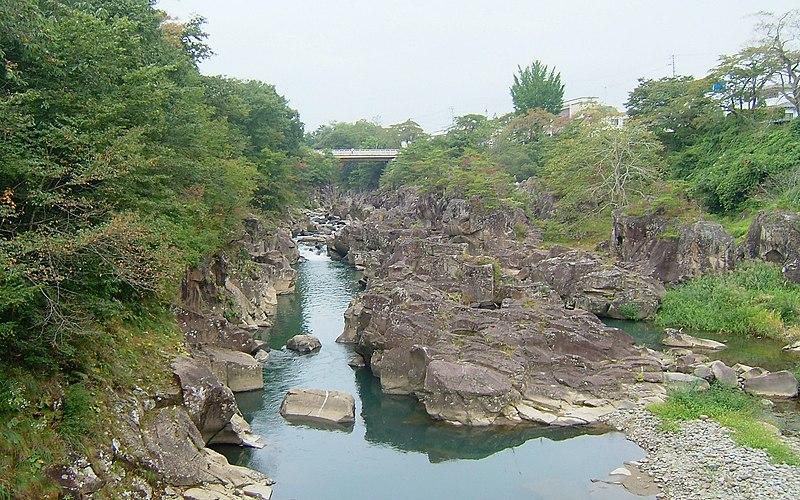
x=364, y=154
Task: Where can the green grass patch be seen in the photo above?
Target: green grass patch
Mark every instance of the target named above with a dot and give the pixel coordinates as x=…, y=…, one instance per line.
x=732, y=409
x=754, y=300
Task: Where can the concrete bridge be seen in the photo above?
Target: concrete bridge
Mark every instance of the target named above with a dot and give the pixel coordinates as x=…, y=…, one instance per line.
x=364, y=155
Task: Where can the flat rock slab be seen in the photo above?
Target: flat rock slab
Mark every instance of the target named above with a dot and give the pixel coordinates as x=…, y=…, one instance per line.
x=304, y=344
x=319, y=405
x=686, y=381
x=781, y=384
x=674, y=338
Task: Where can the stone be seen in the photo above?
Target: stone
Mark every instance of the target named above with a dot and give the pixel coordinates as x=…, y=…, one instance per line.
x=775, y=237
x=795, y=347
x=755, y=371
x=620, y=471
x=210, y=404
x=588, y=282
x=698, y=249
x=238, y=370
x=319, y=405
x=261, y=356
x=357, y=361
x=258, y=491
x=304, y=344
x=461, y=392
x=203, y=494
x=685, y=381
x=675, y=338
x=704, y=372
x=776, y=384
x=723, y=374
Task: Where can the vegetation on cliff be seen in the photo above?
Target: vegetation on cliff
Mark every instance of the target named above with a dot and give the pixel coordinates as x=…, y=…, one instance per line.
x=119, y=166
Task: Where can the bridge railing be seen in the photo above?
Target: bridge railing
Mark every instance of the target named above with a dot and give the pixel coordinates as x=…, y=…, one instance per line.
x=364, y=152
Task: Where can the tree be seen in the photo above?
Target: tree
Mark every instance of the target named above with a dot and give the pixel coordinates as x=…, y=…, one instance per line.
x=780, y=43
x=676, y=109
x=535, y=88
x=603, y=166
x=740, y=80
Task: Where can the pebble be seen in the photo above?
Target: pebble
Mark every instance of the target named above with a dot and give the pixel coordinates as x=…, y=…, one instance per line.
x=701, y=461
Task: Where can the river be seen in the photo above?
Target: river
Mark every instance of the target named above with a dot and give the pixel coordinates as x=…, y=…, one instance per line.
x=394, y=450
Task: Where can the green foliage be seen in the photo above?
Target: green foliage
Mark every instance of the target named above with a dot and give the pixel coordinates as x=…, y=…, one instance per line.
x=436, y=166
x=592, y=166
x=536, y=88
x=731, y=408
x=677, y=110
x=755, y=299
x=730, y=167
x=630, y=311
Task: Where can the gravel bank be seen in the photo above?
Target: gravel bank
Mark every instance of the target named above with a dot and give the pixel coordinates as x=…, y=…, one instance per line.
x=701, y=461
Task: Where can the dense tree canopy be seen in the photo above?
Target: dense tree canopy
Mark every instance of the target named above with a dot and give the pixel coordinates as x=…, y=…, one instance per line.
x=119, y=165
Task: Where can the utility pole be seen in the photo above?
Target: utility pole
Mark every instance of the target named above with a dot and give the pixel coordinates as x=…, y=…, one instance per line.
x=673, y=65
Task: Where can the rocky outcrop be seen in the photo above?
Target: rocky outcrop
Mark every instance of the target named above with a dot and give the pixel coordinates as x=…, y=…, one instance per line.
x=775, y=237
x=586, y=281
x=245, y=282
x=479, y=366
x=239, y=371
x=211, y=405
x=669, y=251
x=319, y=405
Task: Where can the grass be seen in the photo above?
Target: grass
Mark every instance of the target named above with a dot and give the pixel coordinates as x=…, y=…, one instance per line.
x=44, y=417
x=731, y=408
x=754, y=300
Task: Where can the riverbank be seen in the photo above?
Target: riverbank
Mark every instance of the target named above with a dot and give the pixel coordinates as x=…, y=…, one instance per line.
x=701, y=460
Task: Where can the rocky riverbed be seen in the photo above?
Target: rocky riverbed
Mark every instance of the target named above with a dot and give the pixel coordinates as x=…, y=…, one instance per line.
x=701, y=461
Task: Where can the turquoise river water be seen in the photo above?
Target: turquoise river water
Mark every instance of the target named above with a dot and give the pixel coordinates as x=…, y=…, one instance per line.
x=394, y=450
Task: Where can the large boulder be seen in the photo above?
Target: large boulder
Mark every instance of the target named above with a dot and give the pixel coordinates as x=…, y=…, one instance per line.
x=675, y=338
x=480, y=366
x=775, y=237
x=586, y=281
x=238, y=370
x=669, y=251
x=209, y=403
x=304, y=344
x=781, y=384
x=723, y=374
x=319, y=405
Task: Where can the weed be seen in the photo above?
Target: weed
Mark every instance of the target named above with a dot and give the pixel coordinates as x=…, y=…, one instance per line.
x=731, y=408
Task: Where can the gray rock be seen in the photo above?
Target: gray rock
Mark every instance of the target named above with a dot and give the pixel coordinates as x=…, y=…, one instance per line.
x=704, y=372
x=723, y=374
x=755, y=371
x=685, y=381
x=777, y=384
x=592, y=284
x=675, y=338
x=210, y=404
x=303, y=344
x=775, y=237
x=238, y=370
x=320, y=405
x=357, y=361
x=699, y=249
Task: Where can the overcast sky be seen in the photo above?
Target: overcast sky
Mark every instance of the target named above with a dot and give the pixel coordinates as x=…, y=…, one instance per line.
x=388, y=61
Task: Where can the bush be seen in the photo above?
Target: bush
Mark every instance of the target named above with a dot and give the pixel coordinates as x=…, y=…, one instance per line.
x=755, y=299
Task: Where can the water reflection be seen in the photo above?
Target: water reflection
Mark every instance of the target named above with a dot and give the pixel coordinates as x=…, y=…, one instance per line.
x=402, y=423
x=766, y=353
x=395, y=451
